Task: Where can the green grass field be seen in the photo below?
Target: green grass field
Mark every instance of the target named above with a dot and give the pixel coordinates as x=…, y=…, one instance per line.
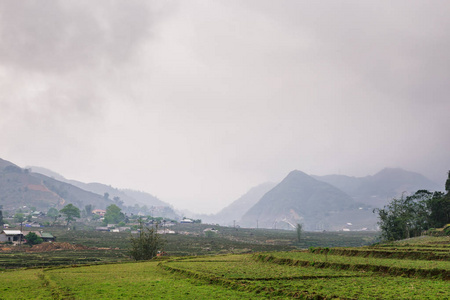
x=274, y=275
x=107, y=247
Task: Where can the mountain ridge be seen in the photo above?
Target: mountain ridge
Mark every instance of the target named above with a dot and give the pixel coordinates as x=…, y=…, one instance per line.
x=378, y=189
x=298, y=198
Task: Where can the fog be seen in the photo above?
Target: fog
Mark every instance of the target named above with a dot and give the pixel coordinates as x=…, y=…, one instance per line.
x=198, y=101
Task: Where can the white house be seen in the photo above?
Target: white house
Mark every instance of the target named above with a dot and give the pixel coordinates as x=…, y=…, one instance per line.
x=11, y=236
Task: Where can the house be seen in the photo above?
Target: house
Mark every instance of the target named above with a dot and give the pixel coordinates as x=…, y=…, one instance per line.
x=99, y=212
x=11, y=236
x=15, y=236
x=47, y=237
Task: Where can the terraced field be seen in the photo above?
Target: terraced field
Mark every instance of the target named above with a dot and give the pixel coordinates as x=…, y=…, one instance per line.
x=419, y=272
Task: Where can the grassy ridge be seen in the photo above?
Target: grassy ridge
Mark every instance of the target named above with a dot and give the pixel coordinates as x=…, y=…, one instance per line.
x=410, y=268
x=309, y=281
x=64, y=257
x=429, y=254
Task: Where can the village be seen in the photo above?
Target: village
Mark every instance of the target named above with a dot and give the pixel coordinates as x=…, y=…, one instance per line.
x=28, y=226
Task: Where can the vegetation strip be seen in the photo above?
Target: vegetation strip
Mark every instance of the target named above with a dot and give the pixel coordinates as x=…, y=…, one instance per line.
x=242, y=286
x=397, y=254
x=396, y=271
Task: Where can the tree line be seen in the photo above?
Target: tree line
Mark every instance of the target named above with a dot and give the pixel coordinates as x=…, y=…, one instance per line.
x=410, y=216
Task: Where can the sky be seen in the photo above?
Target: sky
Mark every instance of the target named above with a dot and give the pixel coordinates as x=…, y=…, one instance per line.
x=196, y=102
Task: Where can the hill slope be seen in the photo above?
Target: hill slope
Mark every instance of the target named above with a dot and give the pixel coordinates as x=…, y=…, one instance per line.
x=239, y=207
x=129, y=197
x=299, y=198
x=20, y=187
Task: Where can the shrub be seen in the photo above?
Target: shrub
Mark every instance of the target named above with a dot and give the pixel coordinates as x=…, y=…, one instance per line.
x=147, y=243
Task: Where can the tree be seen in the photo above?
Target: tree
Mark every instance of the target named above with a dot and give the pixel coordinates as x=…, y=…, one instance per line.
x=33, y=239
x=117, y=200
x=19, y=218
x=439, y=206
x=410, y=216
x=447, y=184
x=53, y=213
x=88, y=209
x=113, y=215
x=299, y=231
x=1, y=218
x=405, y=217
x=71, y=212
x=146, y=244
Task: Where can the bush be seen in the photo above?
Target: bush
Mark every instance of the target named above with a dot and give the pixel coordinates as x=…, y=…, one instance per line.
x=146, y=245
x=33, y=239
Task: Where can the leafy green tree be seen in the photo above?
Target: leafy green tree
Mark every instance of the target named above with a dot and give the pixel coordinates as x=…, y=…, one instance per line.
x=439, y=206
x=146, y=244
x=1, y=218
x=33, y=239
x=113, y=215
x=411, y=216
x=447, y=183
x=71, y=212
x=405, y=217
x=53, y=213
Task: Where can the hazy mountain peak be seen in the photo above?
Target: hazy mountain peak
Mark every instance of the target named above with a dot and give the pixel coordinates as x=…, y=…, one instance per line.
x=298, y=198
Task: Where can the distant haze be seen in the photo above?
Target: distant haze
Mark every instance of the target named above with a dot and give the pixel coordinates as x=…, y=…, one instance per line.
x=196, y=102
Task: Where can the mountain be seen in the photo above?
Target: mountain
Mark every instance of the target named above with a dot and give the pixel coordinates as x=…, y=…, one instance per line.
x=20, y=187
x=239, y=207
x=300, y=198
x=144, y=198
x=379, y=189
x=129, y=197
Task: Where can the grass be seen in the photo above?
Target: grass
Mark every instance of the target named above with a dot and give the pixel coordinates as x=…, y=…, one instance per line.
x=120, y=281
x=400, y=263
x=64, y=257
x=219, y=277
x=279, y=275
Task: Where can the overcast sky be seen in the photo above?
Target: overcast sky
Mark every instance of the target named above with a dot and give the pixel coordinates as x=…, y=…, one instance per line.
x=197, y=101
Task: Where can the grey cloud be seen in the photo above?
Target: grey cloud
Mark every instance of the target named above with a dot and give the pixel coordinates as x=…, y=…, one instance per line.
x=62, y=36
x=398, y=47
x=217, y=96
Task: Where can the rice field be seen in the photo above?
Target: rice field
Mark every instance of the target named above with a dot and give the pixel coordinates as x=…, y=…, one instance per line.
x=320, y=273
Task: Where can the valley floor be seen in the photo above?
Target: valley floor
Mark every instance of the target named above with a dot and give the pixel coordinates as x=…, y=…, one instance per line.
x=384, y=272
